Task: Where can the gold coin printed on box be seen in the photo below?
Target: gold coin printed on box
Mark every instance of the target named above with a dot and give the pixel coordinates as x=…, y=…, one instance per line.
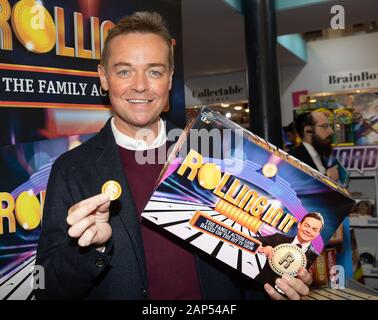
x=287, y=259
x=269, y=170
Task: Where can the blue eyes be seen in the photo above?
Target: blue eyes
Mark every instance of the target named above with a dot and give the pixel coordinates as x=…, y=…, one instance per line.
x=151, y=73
x=156, y=73
x=123, y=73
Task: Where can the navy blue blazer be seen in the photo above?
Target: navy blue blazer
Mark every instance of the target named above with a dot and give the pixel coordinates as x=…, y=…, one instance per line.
x=72, y=272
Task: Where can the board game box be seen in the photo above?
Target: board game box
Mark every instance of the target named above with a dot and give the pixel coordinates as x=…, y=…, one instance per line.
x=244, y=201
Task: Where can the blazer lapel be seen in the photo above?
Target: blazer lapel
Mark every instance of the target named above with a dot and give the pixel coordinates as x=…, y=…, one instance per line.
x=109, y=167
x=307, y=157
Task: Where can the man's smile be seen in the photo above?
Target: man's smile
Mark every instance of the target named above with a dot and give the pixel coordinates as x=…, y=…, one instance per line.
x=139, y=101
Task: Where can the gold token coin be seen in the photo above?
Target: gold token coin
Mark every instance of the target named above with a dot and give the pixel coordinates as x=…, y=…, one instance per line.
x=269, y=170
x=33, y=26
x=287, y=259
x=112, y=188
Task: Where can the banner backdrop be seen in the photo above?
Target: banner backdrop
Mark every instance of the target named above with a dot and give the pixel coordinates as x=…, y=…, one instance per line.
x=50, y=91
x=49, y=52
x=24, y=171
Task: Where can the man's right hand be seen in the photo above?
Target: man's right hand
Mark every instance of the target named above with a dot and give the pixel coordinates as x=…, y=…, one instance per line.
x=88, y=221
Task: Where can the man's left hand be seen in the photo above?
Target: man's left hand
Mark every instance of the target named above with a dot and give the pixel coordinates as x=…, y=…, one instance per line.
x=294, y=288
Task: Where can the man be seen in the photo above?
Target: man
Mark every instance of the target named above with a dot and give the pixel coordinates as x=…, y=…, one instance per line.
x=308, y=230
x=92, y=248
x=316, y=133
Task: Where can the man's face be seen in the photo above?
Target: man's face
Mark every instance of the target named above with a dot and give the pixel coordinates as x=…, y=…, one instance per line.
x=322, y=134
x=138, y=79
x=308, y=229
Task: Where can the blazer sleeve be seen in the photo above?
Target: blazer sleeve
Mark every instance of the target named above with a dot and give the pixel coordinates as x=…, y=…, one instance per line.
x=70, y=271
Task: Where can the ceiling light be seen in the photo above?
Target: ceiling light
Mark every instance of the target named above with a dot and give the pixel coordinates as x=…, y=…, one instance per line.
x=225, y=105
x=238, y=108
x=228, y=115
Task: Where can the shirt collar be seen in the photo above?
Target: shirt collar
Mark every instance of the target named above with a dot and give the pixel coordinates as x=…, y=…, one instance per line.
x=127, y=142
x=305, y=246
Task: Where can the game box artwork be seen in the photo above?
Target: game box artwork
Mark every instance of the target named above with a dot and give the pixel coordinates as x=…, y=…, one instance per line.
x=245, y=202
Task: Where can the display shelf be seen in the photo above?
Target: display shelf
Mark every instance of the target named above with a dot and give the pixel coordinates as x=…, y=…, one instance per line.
x=366, y=174
x=365, y=183
x=370, y=271
x=363, y=222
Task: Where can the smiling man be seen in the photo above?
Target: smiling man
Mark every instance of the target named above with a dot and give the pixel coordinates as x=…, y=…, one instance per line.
x=316, y=134
x=309, y=229
x=95, y=248
x=138, y=78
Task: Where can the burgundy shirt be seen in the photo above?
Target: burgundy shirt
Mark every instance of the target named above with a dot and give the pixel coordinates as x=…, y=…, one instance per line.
x=171, y=270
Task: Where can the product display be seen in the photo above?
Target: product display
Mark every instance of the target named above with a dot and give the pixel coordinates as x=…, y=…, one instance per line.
x=354, y=116
x=319, y=271
x=238, y=198
x=343, y=129
x=330, y=256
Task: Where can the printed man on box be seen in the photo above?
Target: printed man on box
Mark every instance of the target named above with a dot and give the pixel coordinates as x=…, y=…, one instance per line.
x=308, y=230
